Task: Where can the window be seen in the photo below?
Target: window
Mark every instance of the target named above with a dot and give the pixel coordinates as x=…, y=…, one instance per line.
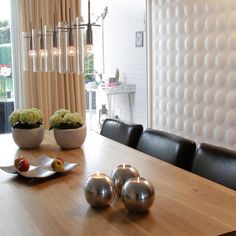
x=6, y=80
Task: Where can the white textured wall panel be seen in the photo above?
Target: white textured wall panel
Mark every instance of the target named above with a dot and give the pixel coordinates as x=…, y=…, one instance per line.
x=194, y=69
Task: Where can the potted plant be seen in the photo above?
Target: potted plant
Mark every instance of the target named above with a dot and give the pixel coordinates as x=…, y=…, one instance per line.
x=27, y=127
x=68, y=128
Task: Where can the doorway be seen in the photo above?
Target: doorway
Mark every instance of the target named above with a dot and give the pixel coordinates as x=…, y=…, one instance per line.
x=120, y=45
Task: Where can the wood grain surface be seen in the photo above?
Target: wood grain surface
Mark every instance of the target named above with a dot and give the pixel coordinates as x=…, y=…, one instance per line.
x=185, y=204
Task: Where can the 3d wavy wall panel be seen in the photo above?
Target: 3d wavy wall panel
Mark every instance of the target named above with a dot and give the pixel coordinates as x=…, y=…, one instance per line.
x=194, y=69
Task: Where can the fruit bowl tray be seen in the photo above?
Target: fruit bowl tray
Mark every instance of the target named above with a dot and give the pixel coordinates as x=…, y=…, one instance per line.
x=39, y=168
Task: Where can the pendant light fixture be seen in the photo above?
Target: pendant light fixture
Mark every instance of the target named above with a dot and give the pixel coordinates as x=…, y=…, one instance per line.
x=71, y=51
x=42, y=51
x=59, y=49
x=55, y=49
x=32, y=52
x=89, y=33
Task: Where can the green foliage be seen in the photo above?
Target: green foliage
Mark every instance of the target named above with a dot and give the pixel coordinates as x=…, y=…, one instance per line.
x=2, y=89
x=9, y=84
x=5, y=35
x=5, y=54
x=4, y=23
x=26, y=118
x=89, y=67
x=5, y=57
x=64, y=119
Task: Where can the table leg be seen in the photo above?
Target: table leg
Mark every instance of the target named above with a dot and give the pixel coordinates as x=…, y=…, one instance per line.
x=109, y=104
x=90, y=109
x=130, y=107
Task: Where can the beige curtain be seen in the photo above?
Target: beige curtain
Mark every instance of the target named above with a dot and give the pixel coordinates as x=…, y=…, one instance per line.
x=50, y=91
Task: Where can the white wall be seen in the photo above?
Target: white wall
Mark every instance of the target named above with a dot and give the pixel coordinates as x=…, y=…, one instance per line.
x=194, y=69
x=124, y=18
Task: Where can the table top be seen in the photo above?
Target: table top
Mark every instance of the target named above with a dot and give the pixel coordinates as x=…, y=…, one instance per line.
x=129, y=88
x=185, y=204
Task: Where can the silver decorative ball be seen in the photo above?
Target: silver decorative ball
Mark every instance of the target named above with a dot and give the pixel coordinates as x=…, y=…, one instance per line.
x=99, y=190
x=121, y=174
x=138, y=194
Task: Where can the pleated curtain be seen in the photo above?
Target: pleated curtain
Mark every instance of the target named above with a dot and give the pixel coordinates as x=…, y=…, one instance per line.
x=50, y=91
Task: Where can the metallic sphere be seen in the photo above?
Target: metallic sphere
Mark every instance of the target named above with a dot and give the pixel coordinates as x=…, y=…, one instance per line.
x=138, y=194
x=99, y=190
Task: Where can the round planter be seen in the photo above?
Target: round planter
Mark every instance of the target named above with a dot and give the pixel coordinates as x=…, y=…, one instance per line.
x=70, y=138
x=28, y=138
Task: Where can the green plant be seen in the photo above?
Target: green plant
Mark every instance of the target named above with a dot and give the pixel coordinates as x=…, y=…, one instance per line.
x=26, y=118
x=5, y=54
x=5, y=35
x=65, y=119
x=89, y=68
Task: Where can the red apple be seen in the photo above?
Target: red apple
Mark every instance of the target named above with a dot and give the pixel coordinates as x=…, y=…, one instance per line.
x=58, y=165
x=17, y=160
x=23, y=165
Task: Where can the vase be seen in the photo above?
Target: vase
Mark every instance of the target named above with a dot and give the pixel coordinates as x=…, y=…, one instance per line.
x=28, y=138
x=70, y=138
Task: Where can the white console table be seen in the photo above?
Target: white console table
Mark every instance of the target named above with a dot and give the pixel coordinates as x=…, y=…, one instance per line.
x=128, y=89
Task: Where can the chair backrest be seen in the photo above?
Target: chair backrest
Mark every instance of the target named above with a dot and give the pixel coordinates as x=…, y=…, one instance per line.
x=122, y=131
x=168, y=147
x=216, y=163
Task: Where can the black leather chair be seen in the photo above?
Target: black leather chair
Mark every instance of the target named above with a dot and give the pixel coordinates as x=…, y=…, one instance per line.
x=168, y=147
x=121, y=131
x=216, y=163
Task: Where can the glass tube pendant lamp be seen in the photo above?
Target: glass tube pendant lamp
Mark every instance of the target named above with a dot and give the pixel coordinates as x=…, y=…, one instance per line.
x=29, y=50
x=89, y=34
x=55, y=51
x=71, y=47
x=43, y=52
x=61, y=48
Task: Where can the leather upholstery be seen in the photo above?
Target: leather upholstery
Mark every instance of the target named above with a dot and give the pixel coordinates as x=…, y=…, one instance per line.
x=168, y=147
x=122, y=131
x=216, y=163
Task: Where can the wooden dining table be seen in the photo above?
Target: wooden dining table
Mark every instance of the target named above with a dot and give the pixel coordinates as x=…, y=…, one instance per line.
x=185, y=204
